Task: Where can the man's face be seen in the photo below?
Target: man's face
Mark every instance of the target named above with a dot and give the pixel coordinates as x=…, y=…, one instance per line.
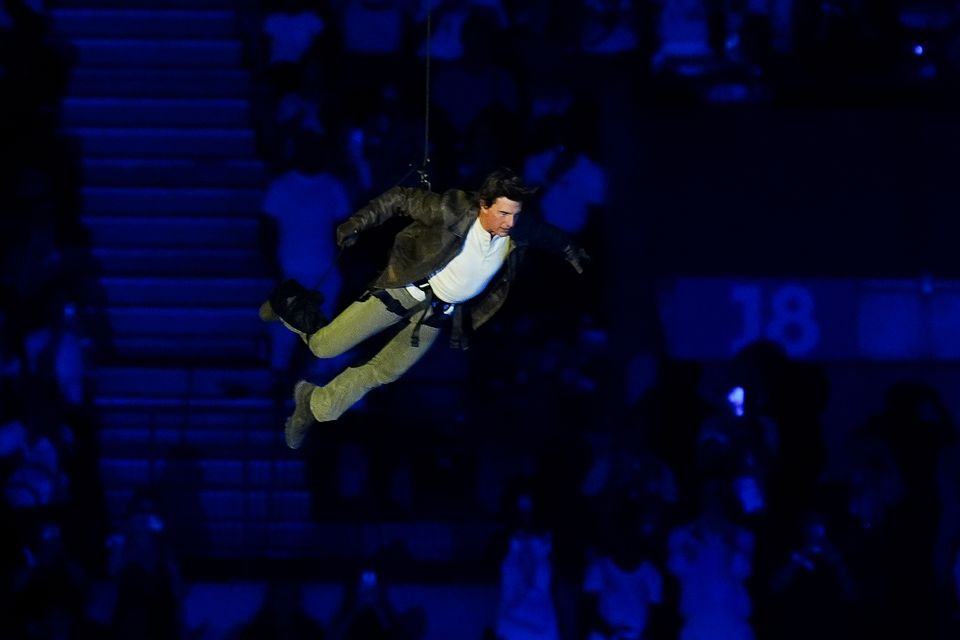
x=500, y=216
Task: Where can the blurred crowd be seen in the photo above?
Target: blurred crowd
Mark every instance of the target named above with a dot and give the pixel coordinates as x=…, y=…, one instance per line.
x=728, y=517
x=48, y=475
x=513, y=79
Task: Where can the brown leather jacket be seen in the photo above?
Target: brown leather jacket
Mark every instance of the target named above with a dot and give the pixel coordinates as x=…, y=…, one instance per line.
x=435, y=235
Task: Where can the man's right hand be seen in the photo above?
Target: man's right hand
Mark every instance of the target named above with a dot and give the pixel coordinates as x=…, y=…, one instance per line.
x=347, y=234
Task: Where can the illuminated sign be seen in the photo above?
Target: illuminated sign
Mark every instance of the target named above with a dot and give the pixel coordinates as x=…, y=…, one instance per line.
x=818, y=319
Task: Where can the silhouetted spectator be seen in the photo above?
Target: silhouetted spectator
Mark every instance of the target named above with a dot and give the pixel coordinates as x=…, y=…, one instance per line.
x=573, y=185
x=917, y=427
x=39, y=443
x=712, y=557
x=37, y=480
x=305, y=204
x=300, y=112
x=684, y=34
x=622, y=581
x=382, y=136
x=675, y=411
x=449, y=18
x=377, y=44
x=295, y=65
x=50, y=589
x=869, y=538
x=147, y=575
x=742, y=450
x=366, y=613
x=292, y=30
x=36, y=65
x=813, y=591
x=607, y=27
x=480, y=66
x=526, y=609
x=784, y=399
x=281, y=616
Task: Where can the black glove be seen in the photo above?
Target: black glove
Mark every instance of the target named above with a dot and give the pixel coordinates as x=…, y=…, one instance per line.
x=347, y=234
x=577, y=257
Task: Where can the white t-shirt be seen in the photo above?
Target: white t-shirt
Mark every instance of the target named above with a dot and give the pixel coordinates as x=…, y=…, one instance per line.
x=469, y=272
x=624, y=596
x=291, y=35
x=526, y=610
x=683, y=29
x=712, y=567
x=306, y=208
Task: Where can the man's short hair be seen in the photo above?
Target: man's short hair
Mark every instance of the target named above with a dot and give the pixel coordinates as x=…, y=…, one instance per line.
x=504, y=183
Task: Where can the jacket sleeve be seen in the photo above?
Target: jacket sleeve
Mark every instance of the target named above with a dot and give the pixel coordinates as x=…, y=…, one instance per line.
x=546, y=237
x=414, y=203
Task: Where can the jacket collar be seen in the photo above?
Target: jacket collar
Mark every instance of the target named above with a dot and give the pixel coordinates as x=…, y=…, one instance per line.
x=463, y=210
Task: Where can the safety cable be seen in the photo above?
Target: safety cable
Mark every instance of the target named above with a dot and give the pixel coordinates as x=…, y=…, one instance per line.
x=423, y=171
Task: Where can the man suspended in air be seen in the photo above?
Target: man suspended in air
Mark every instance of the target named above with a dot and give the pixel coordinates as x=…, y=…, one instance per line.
x=451, y=265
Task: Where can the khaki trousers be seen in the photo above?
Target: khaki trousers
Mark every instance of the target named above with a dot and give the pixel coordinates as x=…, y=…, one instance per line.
x=359, y=321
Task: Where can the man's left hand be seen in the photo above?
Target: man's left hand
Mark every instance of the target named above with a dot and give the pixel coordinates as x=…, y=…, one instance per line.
x=577, y=257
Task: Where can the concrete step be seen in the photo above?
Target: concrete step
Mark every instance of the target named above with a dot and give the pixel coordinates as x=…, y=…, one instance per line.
x=247, y=508
x=163, y=112
x=198, y=474
x=242, y=507
x=246, y=293
x=134, y=443
x=185, y=322
x=112, y=231
x=273, y=539
x=143, y=22
x=149, y=4
x=177, y=382
x=145, y=427
x=158, y=83
x=236, y=263
x=171, y=201
x=288, y=506
x=178, y=405
x=168, y=142
x=425, y=541
x=136, y=53
x=173, y=172
x=192, y=350
x=186, y=413
x=280, y=539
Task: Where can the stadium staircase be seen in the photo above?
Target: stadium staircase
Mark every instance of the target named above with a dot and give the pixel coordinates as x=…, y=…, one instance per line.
x=160, y=103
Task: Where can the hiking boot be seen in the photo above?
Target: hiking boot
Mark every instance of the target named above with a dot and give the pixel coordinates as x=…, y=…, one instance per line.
x=266, y=312
x=297, y=306
x=302, y=418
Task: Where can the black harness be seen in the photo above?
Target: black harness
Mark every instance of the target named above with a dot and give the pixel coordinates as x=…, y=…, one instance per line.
x=441, y=309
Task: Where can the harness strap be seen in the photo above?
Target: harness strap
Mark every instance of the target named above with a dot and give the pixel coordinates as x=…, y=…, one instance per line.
x=391, y=303
x=431, y=301
x=458, y=337
x=427, y=303
x=440, y=308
